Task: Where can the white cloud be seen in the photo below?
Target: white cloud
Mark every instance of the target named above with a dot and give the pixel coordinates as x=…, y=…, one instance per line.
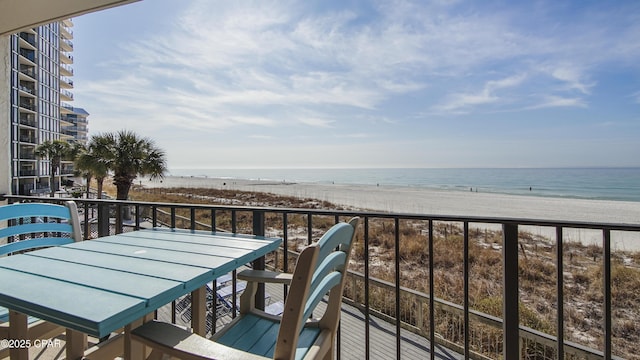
x=465, y=102
x=556, y=101
x=283, y=68
x=573, y=77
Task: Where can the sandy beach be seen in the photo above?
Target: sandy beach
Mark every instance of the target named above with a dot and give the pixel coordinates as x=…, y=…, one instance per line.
x=441, y=202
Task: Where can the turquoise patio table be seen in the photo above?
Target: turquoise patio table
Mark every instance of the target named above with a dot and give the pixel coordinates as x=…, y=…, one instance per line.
x=96, y=287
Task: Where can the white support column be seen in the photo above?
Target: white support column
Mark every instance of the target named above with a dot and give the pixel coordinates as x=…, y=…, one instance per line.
x=5, y=115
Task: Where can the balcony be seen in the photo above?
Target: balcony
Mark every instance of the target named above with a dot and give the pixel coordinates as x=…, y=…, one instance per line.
x=66, y=95
x=27, y=172
x=27, y=155
x=28, y=120
x=27, y=137
x=387, y=314
x=66, y=58
x=28, y=54
x=66, y=45
x=30, y=39
x=66, y=109
x=65, y=69
x=65, y=30
x=66, y=83
x=29, y=71
x=24, y=88
x=26, y=104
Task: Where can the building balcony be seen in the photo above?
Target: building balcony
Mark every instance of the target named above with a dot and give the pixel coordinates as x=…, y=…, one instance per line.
x=395, y=308
x=27, y=155
x=65, y=29
x=66, y=95
x=28, y=139
x=66, y=45
x=28, y=54
x=28, y=105
x=29, y=71
x=28, y=120
x=29, y=91
x=66, y=70
x=27, y=172
x=29, y=39
x=66, y=109
x=66, y=83
x=66, y=137
x=66, y=58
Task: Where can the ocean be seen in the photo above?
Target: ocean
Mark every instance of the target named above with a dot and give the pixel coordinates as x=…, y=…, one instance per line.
x=620, y=184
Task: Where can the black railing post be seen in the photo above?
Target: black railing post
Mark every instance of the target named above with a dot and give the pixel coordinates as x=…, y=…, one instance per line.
x=119, y=218
x=560, y=291
x=259, y=264
x=103, y=219
x=86, y=225
x=606, y=281
x=510, y=313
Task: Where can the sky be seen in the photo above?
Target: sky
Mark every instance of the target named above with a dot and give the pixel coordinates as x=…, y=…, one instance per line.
x=367, y=84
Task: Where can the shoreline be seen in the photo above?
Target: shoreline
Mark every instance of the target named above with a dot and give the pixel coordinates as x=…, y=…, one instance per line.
x=404, y=199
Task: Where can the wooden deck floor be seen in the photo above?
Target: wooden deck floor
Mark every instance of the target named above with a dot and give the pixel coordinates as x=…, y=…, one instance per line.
x=382, y=341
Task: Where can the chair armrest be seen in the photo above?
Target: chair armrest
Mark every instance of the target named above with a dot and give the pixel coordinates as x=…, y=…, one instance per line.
x=265, y=276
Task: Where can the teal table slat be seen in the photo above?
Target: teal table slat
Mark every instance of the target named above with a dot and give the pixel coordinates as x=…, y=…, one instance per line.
x=202, y=237
x=177, y=272
x=167, y=256
x=260, y=243
x=91, y=311
x=194, y=248
x=155, y=291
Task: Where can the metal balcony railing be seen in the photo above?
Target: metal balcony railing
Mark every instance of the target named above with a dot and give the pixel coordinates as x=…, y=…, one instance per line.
x=29, y=54
x=28, y=139
x=27, y=172
x=29, y=71
x=27, y=156
x=67, y=68
x=27, y=89
x=66, y=93
x=68, y=42
x=28, y=105
x=28, y=120
x=66, y=80
x=378, y=284
x=30, y=38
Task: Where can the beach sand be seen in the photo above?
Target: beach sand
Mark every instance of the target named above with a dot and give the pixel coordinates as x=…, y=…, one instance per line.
x=443, y=202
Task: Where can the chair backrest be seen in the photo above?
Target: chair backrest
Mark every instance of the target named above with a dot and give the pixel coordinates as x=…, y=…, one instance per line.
x=41, y=224
x=320, y=270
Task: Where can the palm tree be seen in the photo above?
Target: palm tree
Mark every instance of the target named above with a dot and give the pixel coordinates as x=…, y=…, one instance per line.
x=55, y=150
x=93, y=161
x=131, y=156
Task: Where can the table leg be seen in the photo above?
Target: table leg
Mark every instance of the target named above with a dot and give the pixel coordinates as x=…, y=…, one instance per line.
x=18, y=330
x=76, y=344
x=199, y=311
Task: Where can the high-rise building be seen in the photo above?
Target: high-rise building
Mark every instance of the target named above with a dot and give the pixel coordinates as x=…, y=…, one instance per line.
x=41, y=83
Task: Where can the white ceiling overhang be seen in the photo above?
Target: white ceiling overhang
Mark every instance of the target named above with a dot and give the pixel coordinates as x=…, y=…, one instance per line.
x=16, y=15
